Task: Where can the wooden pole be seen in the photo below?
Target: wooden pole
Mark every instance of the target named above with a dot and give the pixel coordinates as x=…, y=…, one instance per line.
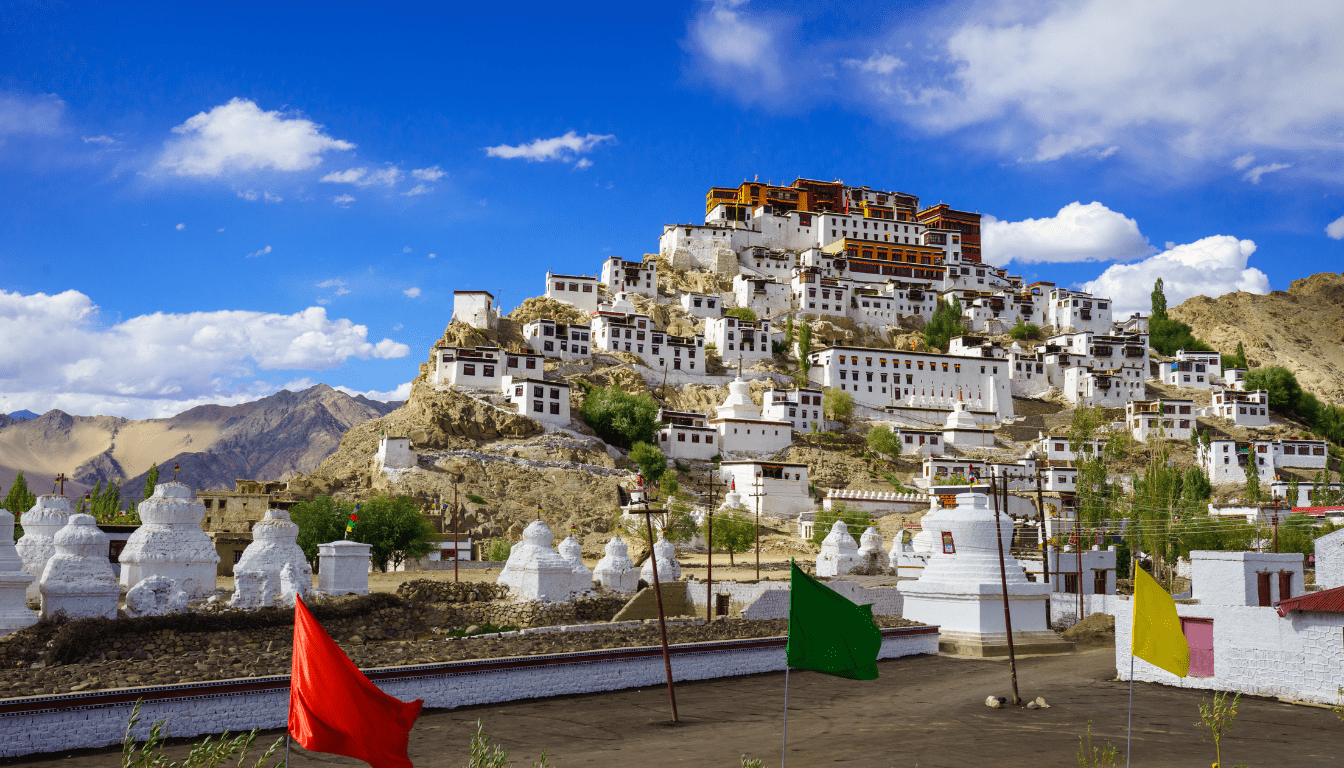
x=1040, y=510
x=709, y=551
x=1003, y=580
x=456, y=552
x=760, y=487
x=662, y=623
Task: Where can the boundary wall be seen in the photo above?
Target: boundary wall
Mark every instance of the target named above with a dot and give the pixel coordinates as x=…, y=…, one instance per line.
x=97, y=719
x=770, y=599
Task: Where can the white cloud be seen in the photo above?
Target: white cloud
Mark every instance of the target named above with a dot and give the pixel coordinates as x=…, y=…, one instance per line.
x=221, y=229
x=56, y=351
x=432, y=255
x=398, y=327
x=739, y=51
x=1255, y=173
x=22, y=115
x=239, y=136
x=881, y=64
x=343, y=200
x=1078, y=232
x=418, y=189
x=1242, y=162
x=261, y=252
x=334, y=282
x=432, y=173
x=363, y=177
x=1212, y=267
x=562, y=148
x=103, y=141
x=412, y=293
x=180, y=227
x=401, y=392
x=583, y=163
x=407, y=249
x=1334, y=230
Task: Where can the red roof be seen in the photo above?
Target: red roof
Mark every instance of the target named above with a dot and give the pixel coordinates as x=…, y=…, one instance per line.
x=1325, y=601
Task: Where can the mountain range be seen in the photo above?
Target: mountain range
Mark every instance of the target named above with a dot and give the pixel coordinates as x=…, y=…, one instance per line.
x=267, y=439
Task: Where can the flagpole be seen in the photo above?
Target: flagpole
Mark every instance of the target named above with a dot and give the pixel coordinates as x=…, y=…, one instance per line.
x=1129, y=729
x=784, y=750
x=1003, y=578
x=286, y=746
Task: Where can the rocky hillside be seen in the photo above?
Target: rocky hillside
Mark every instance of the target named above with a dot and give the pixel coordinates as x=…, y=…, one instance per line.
x=270, y=438
x=1301, y=329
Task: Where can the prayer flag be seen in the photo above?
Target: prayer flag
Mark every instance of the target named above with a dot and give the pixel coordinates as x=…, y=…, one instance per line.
x=1156, y=635
x=829, y=633
x=334, y=708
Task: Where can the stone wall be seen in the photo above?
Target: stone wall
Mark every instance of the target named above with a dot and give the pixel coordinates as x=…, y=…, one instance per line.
x=770, y=599
x=644, y=605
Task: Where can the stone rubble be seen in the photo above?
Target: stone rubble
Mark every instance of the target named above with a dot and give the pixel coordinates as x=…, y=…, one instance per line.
x=155, y=596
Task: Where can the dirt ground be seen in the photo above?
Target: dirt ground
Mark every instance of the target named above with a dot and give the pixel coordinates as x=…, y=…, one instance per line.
x=923, y=711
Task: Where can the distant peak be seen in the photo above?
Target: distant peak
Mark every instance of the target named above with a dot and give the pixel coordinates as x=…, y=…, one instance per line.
x=24, y=414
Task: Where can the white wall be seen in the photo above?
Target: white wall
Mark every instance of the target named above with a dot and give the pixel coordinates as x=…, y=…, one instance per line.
x=577, y=291
x=1230, y=578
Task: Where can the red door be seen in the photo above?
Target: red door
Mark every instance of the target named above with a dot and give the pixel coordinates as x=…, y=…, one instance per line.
x=1199, y=635
x=1285, y=584
x=1262, y=586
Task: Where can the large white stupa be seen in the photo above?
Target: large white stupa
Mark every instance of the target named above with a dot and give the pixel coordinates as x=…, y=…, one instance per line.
x=960, y=589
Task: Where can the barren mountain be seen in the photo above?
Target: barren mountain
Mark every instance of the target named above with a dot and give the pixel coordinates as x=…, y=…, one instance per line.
x=269, y=438
x=1301, y=329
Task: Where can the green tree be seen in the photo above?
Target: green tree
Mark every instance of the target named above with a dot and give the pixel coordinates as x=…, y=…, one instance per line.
x=788, y=333
x=1219, y=534
x=396, y=530
x=1159, y=298
x=1196, y=487
x=1155, y=502
x=882, y=440
x=651, y=461
x=1238, y=360
x=151, y=479
x=320, y=521
x=107, y=503
x=1167, y=335
x=837, y=404
x=733, y=533
x=619, y=417
x=19, y=499
x=855, y=520
x=805, y=348
x=1252, y=479
x=742, y=313
x=1280, y=383
x=1298, y=533
x=1023, y=330
x=945, y=324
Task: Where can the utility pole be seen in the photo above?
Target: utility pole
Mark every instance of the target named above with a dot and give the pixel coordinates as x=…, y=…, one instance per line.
x=658, y=593
x=456, y=551
x=61, y=478
x=1040, y=511
x=1003, y=581
x=760, y=486
x=709, y=552
x=1276, y=531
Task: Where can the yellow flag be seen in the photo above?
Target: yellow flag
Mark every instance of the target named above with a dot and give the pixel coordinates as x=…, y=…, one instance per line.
x=1157, y=637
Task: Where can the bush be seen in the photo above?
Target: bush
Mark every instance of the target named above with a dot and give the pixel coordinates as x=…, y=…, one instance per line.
x=652, y=463
x=884, y=441
x=945, y=323
x=837, y=403
x=496, y=550
x=474, y=499
x=733, y=533
x=393, y=526
x=1284, y=391
x=620, y=418
x=1023, y=330
x=1169, y=336
x=741, y=313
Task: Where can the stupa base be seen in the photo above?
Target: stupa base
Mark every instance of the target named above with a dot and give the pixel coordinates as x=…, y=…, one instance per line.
x=995, y=645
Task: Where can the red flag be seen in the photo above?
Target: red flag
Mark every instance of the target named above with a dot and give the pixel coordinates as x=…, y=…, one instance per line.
x=334, y=708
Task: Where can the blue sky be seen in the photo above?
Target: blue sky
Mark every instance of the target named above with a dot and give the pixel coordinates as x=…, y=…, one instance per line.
x=206, y=204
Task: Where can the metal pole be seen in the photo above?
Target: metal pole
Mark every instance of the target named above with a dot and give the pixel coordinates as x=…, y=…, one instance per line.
x=784, y=750
x=1129, y=729
x=662, y=624
x=457, y=553
x=1078, y=553
x=1003, y=580
x=1040, y=509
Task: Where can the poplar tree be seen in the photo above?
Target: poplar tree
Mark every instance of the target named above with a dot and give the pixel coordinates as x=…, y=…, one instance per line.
x=20, y=499
x=151, y=479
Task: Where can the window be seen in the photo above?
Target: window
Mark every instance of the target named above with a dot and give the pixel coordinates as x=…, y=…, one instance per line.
x=536, y=391
x=536, y=406
x=513, y=362
x=555, y=408
x=531, y=362
x=555, y=393
x=559, y=286
x=548, y=346
x=468, y=370
x=709, y=438
x=695, y=438
x=587, y=288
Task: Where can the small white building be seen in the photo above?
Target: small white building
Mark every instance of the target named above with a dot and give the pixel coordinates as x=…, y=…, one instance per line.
x=881, y=377
x=1195, y=370
x=739, y=339
x=687, y=435
x=1244, y=409
x=1235, y=378
x=1075, y=311
x=1173, y=419
x=800, y=407
x=630, y=276
x=765, y=296
x=1085, y=387
x=921, y=442
x=962, y=430
x=1225, y=461
x=702, y=304
x=476, y=308
x=539, y=399
x=579, y=291
x=781, y=488
x=1245, y=578
x=1059, y=448
x=481, y=367
x=1098, y=571
x=394, y=453
x=555, y=339
x=741, y=427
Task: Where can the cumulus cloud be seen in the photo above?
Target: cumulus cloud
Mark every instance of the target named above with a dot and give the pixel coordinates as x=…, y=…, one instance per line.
x=881, y=64
x=412, y=293
x=363, y=177
x=56, y=351
x=740, y=51
x=1078, y=232
x=23, y=115
x=432, y=173
x=239, y=137
x=1211, y=267
x=564, y=148
x=400, y=392
x=1255, y=173
x=1334, y=230
x=418, y=189
x=261, y=252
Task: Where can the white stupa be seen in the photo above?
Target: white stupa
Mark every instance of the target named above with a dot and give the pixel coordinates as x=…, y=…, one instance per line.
x=960, y=588
x=668, y=567
x=275, y=545
x=616, y=571
x=572, y=551
x=534, y=570
x=738, y=404
x=961, y=428
x=170, y=543
x=78, y=579
x=839, y=552
x=870, y=547
x=14, y=581
x=40, y=524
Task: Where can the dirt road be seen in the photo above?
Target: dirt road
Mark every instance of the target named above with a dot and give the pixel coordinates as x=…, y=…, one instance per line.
x=924, y=711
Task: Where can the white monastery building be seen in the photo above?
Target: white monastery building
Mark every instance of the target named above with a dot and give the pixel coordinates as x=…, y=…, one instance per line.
x=1171, y=419
x=476, y=308
x=579, y=291
x=539, y=399
x=800, y=407
x=630, y=276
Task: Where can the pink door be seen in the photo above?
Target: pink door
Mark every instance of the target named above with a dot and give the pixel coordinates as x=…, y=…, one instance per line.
x=1199, y=635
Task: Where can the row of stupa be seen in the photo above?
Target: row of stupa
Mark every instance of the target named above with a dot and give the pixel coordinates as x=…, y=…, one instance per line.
x=535, y=571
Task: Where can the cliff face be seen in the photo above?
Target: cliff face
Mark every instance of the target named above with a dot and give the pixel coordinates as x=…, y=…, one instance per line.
x=269, y=438
x=1301, y=329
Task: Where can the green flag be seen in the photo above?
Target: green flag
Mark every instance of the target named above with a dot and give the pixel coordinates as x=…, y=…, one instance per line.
x=829, y=633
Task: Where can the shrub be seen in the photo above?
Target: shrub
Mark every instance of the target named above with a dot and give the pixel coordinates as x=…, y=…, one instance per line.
x=945, y=323
x=837, y=403
x=1023, y=330
x=474, y=499
x=1280, y=383
x=652, y=463
x=496, y=550
x=620, y=418
x=884, y=441
x=742, y=313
